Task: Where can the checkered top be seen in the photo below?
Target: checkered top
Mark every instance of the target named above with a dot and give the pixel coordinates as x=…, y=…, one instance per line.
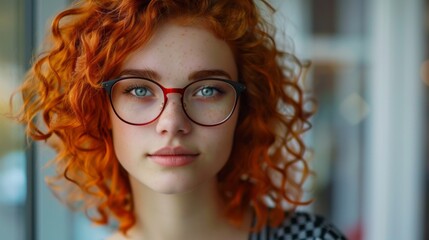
x=300, y=226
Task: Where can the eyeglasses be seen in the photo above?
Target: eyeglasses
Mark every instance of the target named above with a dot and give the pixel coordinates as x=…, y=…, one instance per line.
x=206, y=102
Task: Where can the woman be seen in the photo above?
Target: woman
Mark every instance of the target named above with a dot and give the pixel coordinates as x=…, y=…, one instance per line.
x=174, y=119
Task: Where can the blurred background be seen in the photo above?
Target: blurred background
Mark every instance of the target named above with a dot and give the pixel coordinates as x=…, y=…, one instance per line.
x=370, y=75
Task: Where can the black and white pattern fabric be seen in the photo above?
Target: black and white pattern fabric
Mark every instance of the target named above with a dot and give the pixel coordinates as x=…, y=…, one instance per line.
x=300, y=226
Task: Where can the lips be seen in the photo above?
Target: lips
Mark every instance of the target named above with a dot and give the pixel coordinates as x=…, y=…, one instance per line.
x=173, y=156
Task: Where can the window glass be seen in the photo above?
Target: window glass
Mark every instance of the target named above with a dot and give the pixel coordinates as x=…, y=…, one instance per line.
x=425, y=78
x=12, y=155
x=338, y=80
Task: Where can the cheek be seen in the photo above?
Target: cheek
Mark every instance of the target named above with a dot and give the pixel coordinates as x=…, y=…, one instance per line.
x=124, y=137
x=120, y=141
x=221, y=139
x=224, y=139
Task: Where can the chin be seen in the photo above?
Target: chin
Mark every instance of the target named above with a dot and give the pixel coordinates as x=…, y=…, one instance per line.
x=174, y=185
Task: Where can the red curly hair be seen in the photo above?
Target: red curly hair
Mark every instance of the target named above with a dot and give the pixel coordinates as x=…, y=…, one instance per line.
x=89, y=42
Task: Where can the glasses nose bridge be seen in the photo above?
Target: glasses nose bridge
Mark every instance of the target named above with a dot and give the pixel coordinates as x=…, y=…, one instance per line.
x=166, y=91
x=181, y=91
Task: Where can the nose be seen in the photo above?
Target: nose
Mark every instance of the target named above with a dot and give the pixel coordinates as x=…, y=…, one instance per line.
x=173, y=119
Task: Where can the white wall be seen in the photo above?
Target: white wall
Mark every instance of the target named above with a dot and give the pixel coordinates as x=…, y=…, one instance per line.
x=394, y=163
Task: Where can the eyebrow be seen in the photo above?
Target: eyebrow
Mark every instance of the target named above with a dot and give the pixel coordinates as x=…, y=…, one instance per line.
x=197, y=75
x=145, y=73
x=208, y=73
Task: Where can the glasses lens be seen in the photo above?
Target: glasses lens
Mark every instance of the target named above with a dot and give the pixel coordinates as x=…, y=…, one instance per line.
x=209, y=102
x=137, y=101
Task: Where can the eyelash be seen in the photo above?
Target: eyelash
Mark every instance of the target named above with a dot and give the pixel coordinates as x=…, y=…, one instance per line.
x=218, y=91
x=133, y=87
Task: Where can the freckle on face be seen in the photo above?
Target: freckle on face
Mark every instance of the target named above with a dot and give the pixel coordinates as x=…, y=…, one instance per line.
x=174, y=53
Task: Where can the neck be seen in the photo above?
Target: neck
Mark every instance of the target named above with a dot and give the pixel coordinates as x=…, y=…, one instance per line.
x=191, y=215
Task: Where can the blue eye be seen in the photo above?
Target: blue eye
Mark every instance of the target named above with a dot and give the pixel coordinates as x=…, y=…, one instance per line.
x=140, y=92
x=207, y=92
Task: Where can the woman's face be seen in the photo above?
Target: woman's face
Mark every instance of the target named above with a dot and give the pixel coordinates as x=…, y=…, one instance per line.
x=173, y=154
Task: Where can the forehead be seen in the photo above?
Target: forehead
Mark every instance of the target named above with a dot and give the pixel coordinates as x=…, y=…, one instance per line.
x=177, y=49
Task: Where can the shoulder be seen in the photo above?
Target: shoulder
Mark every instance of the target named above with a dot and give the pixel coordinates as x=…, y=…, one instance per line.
x=302, y=226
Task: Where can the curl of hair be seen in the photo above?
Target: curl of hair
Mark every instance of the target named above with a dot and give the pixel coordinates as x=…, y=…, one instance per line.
x=88, y=43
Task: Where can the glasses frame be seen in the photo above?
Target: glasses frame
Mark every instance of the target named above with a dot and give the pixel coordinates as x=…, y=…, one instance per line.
x=238, y=87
